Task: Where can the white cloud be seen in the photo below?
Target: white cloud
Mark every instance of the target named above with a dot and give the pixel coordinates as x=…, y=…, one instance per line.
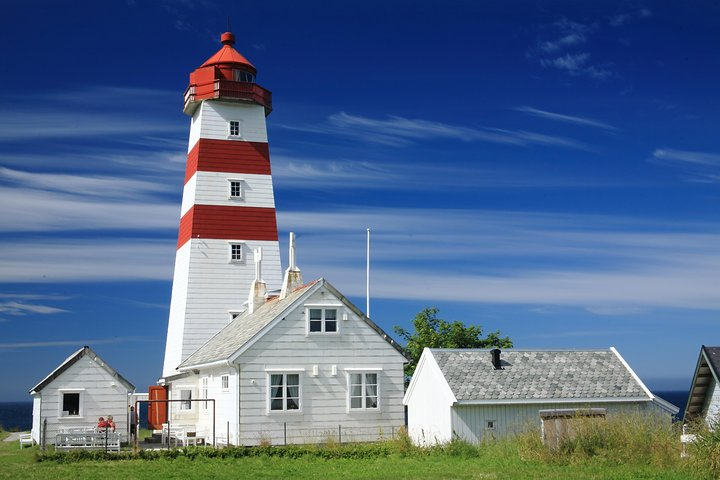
x=22, y=309
x=565, y=118
x=683, y=156
x=100, y=259
x=74, y=343
x=399, y=131
x=85, y=185
x=26, y=210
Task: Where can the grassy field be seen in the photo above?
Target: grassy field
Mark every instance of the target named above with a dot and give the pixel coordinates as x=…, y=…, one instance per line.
x=522, y=458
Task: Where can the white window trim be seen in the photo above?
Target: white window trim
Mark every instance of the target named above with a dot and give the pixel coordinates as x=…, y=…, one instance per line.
x=240, y=129
x=193, y=396
x=242, y=250
x=363, y=371
x=81, y=403
x=242, y=190
x=487, y=424
x=338, y=318
x=222, y=388
x=268, y=391
x=204, y=389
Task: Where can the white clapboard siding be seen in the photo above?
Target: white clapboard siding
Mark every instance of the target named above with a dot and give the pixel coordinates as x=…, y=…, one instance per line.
x=176, y=322
x=212, y=188
x=101, y=395
x=469, y=422
x=211, y=121
x=429, y=405
x=324, y=397
x=217, y=286
x=712, y=406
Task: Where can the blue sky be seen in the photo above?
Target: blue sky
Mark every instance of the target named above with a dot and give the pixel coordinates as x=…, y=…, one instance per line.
x=548, y=169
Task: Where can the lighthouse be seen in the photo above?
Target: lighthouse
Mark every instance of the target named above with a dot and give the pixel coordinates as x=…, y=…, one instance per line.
x=228, y=208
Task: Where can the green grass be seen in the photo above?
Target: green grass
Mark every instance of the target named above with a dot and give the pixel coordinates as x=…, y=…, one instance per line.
x=600, y=455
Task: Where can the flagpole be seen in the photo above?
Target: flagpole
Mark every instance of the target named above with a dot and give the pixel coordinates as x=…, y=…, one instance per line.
x=367, y=276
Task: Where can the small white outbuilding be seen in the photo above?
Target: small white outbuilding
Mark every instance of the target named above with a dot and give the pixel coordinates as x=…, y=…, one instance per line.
x=81, y=389
x=704, y=398
x=477, y=395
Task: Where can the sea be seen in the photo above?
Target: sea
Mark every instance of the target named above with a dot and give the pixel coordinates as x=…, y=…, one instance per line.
x=17, y=416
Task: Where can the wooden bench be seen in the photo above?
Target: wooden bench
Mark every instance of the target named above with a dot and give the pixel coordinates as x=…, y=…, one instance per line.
x=109, y=441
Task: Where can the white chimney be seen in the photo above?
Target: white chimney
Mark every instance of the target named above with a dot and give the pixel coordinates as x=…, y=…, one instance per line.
x=293, y=277
x=258, y=288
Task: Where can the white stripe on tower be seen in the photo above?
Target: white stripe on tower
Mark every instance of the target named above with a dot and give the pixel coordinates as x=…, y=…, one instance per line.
x=228, y=206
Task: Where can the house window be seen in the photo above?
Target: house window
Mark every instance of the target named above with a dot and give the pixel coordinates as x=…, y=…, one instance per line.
x=205, y=392
x=234, y=128
x=235, y=188
x=186, y=395
x=236, y=252
x=71, y=404
x=322, y=320
x=284, y=394
x=363, y=391
x=225, y=383
x=490, y=425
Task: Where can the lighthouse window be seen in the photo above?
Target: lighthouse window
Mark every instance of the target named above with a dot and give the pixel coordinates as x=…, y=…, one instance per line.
x=234, y=128
x=243, y=76
x=235, y=187
x=236, y=252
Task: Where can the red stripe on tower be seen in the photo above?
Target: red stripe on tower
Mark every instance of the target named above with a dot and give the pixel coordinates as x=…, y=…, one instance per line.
x=228, y=223
x=230, y=156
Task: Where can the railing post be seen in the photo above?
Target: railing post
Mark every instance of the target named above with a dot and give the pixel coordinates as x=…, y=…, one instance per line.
x=339, y=433
x=285, y=432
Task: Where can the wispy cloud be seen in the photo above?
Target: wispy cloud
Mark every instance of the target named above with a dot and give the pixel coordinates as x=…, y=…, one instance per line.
x=23, y=309
x=698, y=167
x=79, y=260
x=72, y=343
x=400, y=131
x=565, y=118
x=603, y=264
x=621, y=19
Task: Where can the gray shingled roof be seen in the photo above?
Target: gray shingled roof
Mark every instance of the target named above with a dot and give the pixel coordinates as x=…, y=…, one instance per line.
x=241, y=330
x=713, y=356
x=536, y=375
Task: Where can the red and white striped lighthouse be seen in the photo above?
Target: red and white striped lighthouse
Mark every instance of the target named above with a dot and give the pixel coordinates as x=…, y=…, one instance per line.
x=228, y=206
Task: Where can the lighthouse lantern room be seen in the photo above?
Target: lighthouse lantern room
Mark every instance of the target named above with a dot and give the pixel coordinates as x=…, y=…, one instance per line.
x=228, y=206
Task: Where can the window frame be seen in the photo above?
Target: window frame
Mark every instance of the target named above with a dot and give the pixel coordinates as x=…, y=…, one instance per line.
x=187, y=404
x=225, y=382
x=268, y=390
x=241, y=246
x=239, y=182
x=238, y=125
x=339, y=314
x=81, y=402
x=349, y=372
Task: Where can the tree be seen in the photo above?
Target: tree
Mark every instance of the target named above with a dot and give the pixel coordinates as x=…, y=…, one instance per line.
x=433, y=332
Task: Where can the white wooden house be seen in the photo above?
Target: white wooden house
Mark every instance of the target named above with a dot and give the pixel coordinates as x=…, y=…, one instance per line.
x=300, y=367
x=476, y=394
x=704, y=399
x=81, y=389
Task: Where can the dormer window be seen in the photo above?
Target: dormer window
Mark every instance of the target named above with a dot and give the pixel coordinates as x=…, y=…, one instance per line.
x=243, y=76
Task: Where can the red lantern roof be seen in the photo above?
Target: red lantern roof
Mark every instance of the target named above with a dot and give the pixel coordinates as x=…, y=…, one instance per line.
x=227, y=55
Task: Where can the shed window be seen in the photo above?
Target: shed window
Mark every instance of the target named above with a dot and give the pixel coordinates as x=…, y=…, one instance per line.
x=71, y=404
